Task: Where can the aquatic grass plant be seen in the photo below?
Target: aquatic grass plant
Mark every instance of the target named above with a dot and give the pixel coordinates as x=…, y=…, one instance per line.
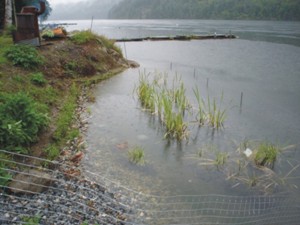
x=137, y=155
x=221, y=158
x=168, y=104
x=201, y=114
x=266, y=155
x=172, y=119
x=171, y=105
x=209, y=112
x=146, y=94
x=180, y=98
x=215, y=115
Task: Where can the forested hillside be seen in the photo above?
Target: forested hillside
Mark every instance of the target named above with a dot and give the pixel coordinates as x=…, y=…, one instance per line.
x=207, y=9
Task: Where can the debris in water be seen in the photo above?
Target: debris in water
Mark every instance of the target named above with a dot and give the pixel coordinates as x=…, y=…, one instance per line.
x=248, y=152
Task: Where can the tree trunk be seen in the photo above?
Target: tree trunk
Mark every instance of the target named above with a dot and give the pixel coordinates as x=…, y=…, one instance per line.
x=8, y=13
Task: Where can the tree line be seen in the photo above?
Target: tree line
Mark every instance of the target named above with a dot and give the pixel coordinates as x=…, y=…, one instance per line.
x=207, y=9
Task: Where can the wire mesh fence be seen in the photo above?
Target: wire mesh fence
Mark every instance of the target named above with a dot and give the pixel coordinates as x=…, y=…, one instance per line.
x=52, y=192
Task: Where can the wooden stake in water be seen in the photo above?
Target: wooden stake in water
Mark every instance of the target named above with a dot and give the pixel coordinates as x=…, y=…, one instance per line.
x=125, y=50
x=207, y=81
x=241, y=101
x=92, y=23
x=171, y=66
x=194, y=72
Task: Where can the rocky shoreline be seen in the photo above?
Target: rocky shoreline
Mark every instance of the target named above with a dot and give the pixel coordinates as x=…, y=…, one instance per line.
x=72, y=201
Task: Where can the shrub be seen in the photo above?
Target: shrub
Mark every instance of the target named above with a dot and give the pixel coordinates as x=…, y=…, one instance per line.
x=38, y=79
x=20, y=122
x=24, y=55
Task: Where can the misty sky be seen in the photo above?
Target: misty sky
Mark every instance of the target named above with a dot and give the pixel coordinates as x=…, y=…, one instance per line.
x=55, y=2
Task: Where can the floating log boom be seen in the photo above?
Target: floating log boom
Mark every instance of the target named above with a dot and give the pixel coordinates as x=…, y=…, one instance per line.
x=179, y=38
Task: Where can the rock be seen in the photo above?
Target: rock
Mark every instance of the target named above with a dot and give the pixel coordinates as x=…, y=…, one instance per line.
x=133, y=64
x=77, y=157
x=30, y=182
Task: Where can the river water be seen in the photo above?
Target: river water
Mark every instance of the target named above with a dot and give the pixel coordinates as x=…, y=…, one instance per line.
x=258, y=76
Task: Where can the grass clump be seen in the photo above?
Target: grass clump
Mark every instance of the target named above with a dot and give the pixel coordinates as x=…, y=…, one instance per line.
x=168, y=103
x=83, y=37
x=146, y=93
x=86, y=36
x=137, y=155
x=20, y=121
x=64, y=131
x=216, y=115
x=24, y=56
x=209, y=112
x=221, y=158
x=35, y=220
x=38, y=79
x=109, y=44
x=266, y=155
x=5, y=43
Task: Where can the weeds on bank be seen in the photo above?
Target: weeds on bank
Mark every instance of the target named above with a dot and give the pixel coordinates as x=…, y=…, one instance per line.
x=66, y=114
x=136, y=155
x=34, y=220
x=25, y=56
x=5, y=162
x=5, y=43
x=84, y=37
x=38, y=79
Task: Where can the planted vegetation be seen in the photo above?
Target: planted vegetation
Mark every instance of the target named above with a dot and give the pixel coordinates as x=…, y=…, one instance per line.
x=171, y=105
x=209, y=112
x=266, y=155
x=255, y=170
x=136, y=155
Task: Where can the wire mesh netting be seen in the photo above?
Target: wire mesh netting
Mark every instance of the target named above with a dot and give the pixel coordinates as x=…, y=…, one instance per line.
x=68, y=198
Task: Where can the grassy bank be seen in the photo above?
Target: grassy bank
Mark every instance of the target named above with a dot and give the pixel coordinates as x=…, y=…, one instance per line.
x=39, y=90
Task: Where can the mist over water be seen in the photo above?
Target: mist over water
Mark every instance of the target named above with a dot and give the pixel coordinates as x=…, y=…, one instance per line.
x=267, y=31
